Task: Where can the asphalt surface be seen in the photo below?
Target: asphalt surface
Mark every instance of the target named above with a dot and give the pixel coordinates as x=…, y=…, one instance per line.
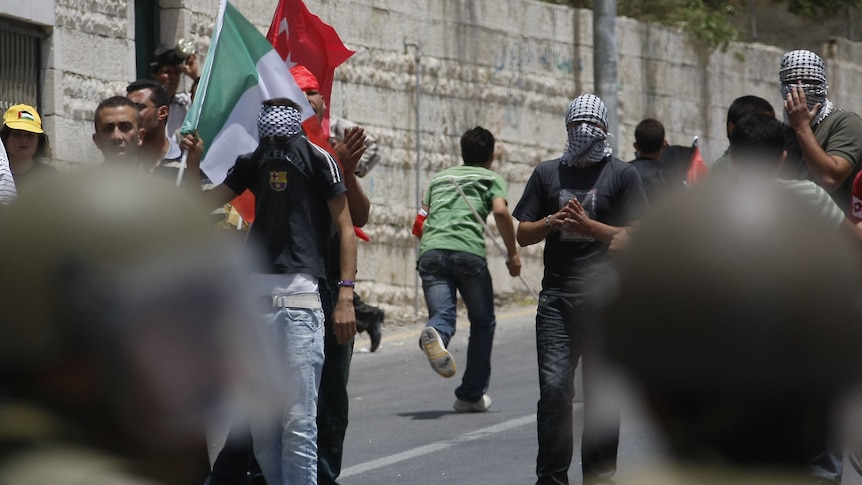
x=403, y=428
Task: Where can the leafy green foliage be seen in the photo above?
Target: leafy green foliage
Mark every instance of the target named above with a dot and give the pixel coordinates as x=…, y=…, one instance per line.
x=817, y=9
x=708, y=22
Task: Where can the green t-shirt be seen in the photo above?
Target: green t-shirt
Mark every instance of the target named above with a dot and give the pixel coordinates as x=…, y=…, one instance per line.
x=840, y=134
x=450, y=223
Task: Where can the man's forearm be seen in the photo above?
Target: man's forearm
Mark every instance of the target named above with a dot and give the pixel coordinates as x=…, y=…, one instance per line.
x=532, y=232
x=357, y=201
x=829, y=172
x=507, y=231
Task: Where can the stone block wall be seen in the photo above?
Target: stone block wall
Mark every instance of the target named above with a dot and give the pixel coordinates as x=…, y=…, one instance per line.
x=509, y=65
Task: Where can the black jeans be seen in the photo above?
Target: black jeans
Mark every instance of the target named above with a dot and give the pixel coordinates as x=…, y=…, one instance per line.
x=561, y=325
x=332, y=400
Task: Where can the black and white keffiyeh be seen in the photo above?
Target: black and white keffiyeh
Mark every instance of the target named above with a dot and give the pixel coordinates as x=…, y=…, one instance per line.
x=805, y=70
x=802, y=65
x=587, y=143
x=279, y=121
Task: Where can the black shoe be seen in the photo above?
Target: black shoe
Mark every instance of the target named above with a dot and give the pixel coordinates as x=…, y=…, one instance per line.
x=374, y=332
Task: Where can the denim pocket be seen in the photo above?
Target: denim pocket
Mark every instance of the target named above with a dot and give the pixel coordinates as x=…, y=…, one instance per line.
x=432, y=263
x=305, y=317
x=468, y=265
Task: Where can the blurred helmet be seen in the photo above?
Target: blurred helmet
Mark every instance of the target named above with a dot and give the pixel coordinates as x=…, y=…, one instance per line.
x=125, y=272
x=737, y=288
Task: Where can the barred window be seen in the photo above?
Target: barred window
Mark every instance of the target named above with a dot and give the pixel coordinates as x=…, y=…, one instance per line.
x=20, y=64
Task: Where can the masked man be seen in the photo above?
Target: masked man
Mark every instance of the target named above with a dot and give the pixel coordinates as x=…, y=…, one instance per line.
x=823, y=143
x=576, y=204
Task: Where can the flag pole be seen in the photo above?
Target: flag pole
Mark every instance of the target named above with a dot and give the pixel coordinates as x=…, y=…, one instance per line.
x=182, y=170
x=417, y=58
x=491, y=235
x=200, y=96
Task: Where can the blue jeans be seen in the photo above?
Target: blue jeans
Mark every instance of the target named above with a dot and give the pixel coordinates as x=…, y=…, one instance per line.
x=333, y=402
x=829, y=464
x=443, y=272
x=287, y=452
x=562, y=323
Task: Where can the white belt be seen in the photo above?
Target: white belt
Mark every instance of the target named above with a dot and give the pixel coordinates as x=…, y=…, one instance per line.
x=310, y=301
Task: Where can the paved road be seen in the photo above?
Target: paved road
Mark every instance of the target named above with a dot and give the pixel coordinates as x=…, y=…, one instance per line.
x=403, y=428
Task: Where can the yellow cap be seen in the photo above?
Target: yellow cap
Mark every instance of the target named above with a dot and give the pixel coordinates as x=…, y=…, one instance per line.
x=23, y=117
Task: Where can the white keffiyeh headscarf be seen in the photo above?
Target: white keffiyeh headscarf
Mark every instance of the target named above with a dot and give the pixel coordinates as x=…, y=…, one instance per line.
x=805, y=69
x=587, y=143
x=279, y=121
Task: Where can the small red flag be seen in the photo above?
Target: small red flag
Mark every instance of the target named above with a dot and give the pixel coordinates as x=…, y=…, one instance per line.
x=697, y=170
x=244, y=205
x=300, y=37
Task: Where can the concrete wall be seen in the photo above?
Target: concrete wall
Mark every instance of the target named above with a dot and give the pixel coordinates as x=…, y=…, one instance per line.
x=511, y=66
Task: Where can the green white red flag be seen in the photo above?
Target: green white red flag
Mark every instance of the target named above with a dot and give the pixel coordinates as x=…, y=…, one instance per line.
x=242, y=69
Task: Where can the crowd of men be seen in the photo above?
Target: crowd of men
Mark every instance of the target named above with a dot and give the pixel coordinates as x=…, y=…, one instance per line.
x=133, y=304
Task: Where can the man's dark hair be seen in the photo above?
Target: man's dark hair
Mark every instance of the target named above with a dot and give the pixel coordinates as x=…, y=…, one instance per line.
x=649, y=135
x=744, y=105
x=282, y=102
x=477, y=146
x=115, y=102
x=757, y=139
x=165, y=55
x=158, y=92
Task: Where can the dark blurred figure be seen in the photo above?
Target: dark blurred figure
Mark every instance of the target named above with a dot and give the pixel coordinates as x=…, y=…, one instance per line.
x=740, y=107
x=734, y=311
x=649, y=144
x=121, y=332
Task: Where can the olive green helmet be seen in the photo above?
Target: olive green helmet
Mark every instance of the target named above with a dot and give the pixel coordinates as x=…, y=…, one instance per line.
x=80, y=241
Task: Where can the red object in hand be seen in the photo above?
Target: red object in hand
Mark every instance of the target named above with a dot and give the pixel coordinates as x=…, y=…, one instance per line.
x=361, y=234
x=419, y=222
x=856, y=199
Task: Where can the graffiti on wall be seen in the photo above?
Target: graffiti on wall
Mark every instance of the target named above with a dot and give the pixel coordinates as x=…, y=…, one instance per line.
x=532, y=54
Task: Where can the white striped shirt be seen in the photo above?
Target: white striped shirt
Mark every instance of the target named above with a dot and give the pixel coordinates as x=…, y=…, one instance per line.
x=7, y=183
x=816, y=197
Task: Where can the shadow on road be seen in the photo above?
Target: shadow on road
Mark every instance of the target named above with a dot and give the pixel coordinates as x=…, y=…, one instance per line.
x=426, y=415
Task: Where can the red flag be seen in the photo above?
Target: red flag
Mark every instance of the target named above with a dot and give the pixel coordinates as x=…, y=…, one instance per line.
x=244, y=205
x=697, y=170
x=300, y=37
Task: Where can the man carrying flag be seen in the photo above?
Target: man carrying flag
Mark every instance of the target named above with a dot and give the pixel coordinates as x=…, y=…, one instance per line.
x=296, y=184
x=312, y=49
x=299, y=196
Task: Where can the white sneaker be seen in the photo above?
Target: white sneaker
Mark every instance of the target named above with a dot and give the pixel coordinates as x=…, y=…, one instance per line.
x=439, y=358
x=479, y=406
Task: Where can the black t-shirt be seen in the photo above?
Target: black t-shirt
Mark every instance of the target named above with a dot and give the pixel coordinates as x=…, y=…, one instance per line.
x=292, y=180
x=654, y=176
x=610, y=191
